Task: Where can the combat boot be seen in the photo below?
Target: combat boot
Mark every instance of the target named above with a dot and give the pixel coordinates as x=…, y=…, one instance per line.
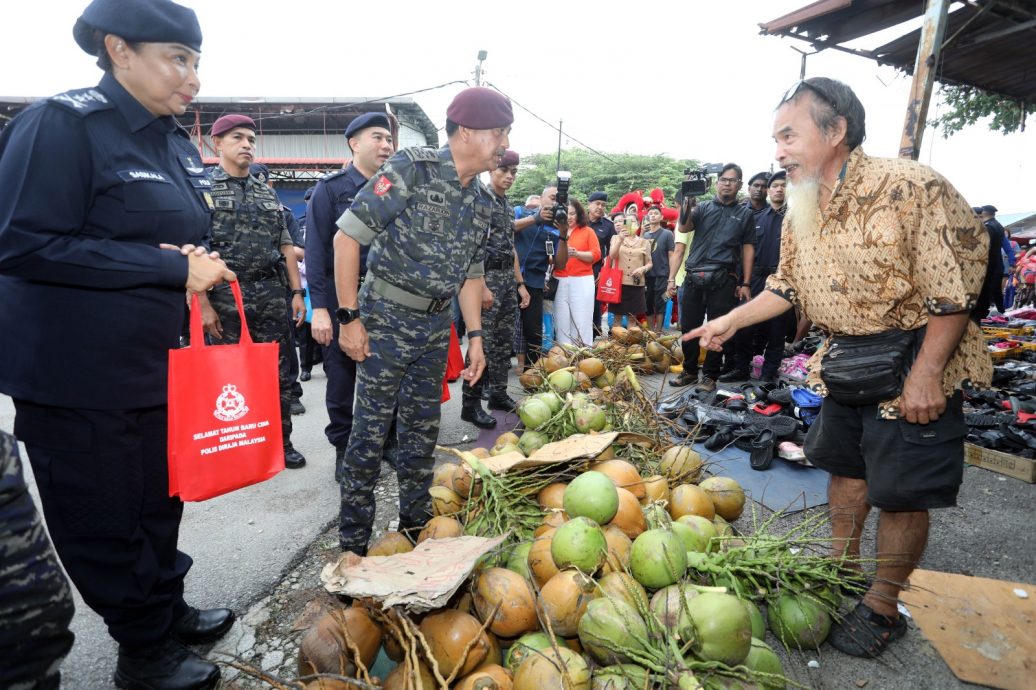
x=472, y=411
x=293, y=459
x=500, y=400
x=167, y=665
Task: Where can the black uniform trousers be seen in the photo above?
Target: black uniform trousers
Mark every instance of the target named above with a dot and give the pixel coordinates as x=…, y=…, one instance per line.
x=103, y=479
x=698, y=303
x=532, y=325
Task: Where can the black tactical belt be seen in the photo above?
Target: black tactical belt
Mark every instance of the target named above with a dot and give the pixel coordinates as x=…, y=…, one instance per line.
x=398, y=295
x=256, y=276
x=502, y=263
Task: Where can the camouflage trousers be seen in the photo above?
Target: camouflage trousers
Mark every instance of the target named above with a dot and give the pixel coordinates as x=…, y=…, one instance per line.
x=35, y=599
x=405, y=369
x=497, y=333
x=268, y=322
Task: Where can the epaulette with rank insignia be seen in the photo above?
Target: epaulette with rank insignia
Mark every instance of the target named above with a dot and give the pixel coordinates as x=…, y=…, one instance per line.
x=333, y=175
x=83, y=101
x=425, y=154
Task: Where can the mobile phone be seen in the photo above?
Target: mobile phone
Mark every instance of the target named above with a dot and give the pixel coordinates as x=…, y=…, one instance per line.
x=550, y=247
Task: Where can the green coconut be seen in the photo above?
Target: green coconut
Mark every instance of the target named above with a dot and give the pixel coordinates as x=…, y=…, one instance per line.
x=531, y=441
x=723, y=628
x=798, y=621
x=553, y=400
x=588, y=417
x=610, y=626
x=579, y=543
x=762, y=659
x=657, y=558
x=534, y=413
x=518, y=559
x=562, y=380
x=593, y=495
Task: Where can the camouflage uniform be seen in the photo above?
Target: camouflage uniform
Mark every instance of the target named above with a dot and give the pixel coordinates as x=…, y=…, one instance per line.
x=498, y=320
x=427, y=235
x=35, y=600
x=248, y=231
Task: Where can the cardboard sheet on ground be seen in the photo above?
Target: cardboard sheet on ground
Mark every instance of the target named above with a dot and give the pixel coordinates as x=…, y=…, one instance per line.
x=984, y=631
x=420, y=580
x=785, y=486
x=576, y=447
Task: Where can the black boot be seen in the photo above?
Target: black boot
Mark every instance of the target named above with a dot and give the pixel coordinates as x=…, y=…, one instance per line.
x=472, y=412
x=293, y=459
x=500, y=400
x=339, y=463
x=201, y=626
x=165, y=666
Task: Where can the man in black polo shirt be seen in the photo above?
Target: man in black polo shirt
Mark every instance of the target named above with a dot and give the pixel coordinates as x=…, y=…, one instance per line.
x=605, y=231
x=724, y=233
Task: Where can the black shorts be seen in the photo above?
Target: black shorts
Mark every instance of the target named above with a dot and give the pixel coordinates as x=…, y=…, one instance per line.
x=656, y=292
x=906, y=466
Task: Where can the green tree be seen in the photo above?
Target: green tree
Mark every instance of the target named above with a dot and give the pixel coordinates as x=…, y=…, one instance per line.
x=614, y=173
x=968, y=105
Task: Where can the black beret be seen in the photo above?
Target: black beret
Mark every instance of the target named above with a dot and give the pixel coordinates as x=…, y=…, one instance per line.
x=145, y=21
x=759, y=176
x=509, y=159
x=779, y=175
x=229, y=122
x=480, y=108
x=260, y=171
x=989, y=208
x=597, y=196
x=367, y=120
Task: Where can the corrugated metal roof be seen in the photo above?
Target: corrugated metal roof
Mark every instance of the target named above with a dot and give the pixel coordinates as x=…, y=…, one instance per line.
x=988, y=42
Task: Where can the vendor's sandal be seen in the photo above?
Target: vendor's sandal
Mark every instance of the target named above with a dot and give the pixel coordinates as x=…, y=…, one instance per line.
x=864, y=633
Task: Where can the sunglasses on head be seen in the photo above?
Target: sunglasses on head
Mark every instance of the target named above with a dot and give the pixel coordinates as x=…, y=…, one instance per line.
x=802, y=83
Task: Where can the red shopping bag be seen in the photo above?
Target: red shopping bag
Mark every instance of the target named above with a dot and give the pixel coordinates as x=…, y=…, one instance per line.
x=454, y=363
x=224, y=413
x=609, y=284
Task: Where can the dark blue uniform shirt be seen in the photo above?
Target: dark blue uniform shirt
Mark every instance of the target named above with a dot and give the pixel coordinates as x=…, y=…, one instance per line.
x=92, y=183
x=531, y=247
x=767, y=246
x=605, y=231
x=331, y=198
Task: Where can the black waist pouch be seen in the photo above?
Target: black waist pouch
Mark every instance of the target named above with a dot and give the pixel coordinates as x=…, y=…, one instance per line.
x=707, y=277
x=868, y=369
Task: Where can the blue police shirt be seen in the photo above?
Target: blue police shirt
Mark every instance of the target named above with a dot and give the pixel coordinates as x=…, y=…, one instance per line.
x=92, y=183
x=531, y=247
x=767, y=247
x=330, y=199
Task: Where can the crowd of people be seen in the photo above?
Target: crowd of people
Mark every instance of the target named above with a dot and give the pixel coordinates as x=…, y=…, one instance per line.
x=110, y=248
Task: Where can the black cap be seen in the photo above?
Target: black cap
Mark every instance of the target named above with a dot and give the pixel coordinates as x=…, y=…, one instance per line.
x=779, y=175
x=367, y=120
x=597, y=196
x=146, y=21
x=989, y=208
x=976, y=210
x=759, y=176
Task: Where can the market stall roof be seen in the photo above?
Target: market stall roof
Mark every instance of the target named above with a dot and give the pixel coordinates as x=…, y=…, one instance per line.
x=988, y=43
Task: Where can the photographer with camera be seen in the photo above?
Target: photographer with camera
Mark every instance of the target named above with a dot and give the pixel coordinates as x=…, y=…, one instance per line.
x=539, y=245
x=724, y=233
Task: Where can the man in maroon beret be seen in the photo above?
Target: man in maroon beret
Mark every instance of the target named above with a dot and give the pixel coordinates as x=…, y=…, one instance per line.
x=426, y=217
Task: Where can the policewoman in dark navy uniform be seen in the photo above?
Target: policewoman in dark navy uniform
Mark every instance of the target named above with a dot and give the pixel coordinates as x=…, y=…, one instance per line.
x=103, y=209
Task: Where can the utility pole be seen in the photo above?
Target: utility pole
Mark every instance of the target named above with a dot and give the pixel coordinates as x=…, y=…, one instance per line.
x=561, y=126
x=482, y=55
x=929, y=49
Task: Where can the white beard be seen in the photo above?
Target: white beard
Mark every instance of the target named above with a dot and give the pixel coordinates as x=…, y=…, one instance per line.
x=803, y=201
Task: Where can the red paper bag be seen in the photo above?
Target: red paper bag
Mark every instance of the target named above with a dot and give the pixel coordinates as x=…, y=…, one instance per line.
x=609, y=284
x=224, y=413
x=454, y=363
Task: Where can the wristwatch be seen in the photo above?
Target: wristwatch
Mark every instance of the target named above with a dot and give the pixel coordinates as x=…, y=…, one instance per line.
x=346, y=315
x=474, y=334
x=746, y=285
x=301, y=292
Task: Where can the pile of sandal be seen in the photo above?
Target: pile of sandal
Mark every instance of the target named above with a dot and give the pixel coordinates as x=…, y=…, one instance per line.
x=765, y=420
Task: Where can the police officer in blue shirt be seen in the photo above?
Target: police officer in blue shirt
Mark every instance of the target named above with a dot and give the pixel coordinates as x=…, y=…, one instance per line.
x=103, y=210
x=369, y=138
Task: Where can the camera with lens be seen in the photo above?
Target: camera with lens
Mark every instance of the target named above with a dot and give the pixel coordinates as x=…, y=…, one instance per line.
x=561, y=199
x=695, y=183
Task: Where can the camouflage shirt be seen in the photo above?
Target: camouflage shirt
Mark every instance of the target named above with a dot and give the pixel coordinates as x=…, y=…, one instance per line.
x=500, y=244
x=427, y=234
x=248, y=227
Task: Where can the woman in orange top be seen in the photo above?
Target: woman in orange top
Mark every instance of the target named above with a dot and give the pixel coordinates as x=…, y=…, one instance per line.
x=574, y=302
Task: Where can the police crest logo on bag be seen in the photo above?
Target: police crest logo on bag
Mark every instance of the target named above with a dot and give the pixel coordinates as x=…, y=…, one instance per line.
x=608, y=283
x=230, y=405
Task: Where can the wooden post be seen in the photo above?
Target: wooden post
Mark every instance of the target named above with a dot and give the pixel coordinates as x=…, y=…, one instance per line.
x=929, y=47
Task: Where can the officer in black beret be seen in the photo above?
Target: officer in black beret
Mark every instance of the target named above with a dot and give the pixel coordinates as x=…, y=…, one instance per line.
x=93, y=267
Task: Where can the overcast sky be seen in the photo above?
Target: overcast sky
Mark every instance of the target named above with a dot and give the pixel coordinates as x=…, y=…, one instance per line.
x=685, y=79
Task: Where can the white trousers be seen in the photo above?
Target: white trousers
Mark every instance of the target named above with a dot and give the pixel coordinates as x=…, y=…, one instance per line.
x=574, y=311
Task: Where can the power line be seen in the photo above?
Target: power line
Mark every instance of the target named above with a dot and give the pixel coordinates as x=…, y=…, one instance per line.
x=552, y=126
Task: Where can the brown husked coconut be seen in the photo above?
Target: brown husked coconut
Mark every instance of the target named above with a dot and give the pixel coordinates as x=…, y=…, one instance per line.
x=442, y=475
x=623, y=474
x=325, y=645
x=619, y=333
x=487, y=677
x=592, y=367
x=656, y=488
x=583, y=381
x=630, y=516
x=480, y=453
x=550, y=669
x=550, y=496
x=448, y=632
x=680, y=464
x=554, y=518
x=446, y=501
x=552, y=363
x=564, y=598
x=606, y=454
x=541, y=563
x=635, y=334
x=390, y=543
x=623, y=587
x=441, y=527
x=619, y=545
x=727, y=496
x=510, y=596
x=463, y=479
x=495, y=656
x=655, y=351
x=531, y=380
x=689, y=499
x=398, y=678
x=328, y=684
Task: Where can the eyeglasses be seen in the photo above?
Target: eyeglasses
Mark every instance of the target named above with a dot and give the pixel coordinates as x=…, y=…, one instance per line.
x=728, y=180
x=790, y=93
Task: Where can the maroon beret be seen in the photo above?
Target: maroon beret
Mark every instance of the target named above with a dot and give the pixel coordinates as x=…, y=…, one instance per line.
x=480, y=108
x=229, y=122
x=508, y=159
